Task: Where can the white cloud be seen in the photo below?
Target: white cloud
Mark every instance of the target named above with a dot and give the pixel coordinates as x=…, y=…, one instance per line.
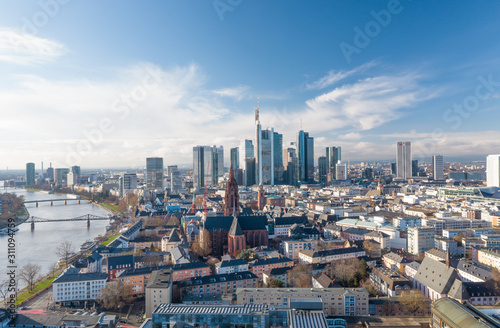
x=237, y=93
x=26, y=49
x=333, y=77
x=350, y=136
x=366, y=104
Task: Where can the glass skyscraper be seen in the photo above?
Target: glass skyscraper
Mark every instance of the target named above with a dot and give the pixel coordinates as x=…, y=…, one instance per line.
x=154, y=173
x=305, y=154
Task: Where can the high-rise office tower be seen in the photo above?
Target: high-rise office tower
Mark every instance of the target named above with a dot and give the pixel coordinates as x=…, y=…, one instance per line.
x=266, y=154
x=235, y=158
x=76, y=170
x=438, y=167
x=403, y=160
x=322, y=170
x=219, y=168
x=290, y=162
x=154, y=173
x=30, y=174
x=250, y=176
x=278, y=158
x=493, y=170
x=333, y=156
x=206, y=161
x=305, y=154
x=61, y=176
x=246, y=150
x=341, y=171
x=50, y=172
x=394, y=169
x=128, y=182
x=414, y=167
x=175, y=178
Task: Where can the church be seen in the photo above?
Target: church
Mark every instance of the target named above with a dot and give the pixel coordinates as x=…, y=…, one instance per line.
x=234, y=232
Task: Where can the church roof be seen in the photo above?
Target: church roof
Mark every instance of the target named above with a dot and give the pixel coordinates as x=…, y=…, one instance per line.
x=235, y=229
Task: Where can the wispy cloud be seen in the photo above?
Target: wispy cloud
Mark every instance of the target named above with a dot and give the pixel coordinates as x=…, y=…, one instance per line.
x=238, y=93
x=25, y=49
x=366, y=104
x=333, y=77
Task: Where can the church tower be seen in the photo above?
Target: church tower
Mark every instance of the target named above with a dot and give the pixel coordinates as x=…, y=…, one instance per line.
x=231, y=197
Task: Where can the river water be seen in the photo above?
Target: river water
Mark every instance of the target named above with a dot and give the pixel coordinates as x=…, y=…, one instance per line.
x=39, y=246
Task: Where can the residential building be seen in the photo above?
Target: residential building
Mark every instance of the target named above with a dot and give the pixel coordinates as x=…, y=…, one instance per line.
x=158, y=290
x=326, y=256
x=470, y=272
x=489, y=257
x=389, y=282
x=395, y=262
x=280, y=274
x=420, y=239
x=154, y=173
x=225, y=283
x=335, y=301
x=259, y=266
x=231, y=266
x=403, y=160
x=75, y=289
x=292, y=246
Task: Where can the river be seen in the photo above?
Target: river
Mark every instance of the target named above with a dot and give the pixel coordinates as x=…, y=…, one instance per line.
x=39, y=246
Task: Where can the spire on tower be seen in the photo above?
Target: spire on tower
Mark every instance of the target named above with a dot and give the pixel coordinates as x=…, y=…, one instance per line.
x=257, y=119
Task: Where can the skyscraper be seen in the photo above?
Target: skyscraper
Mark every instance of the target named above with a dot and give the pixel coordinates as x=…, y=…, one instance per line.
x=403, y=160
x=278, y=158
x=220, y=162
x=438, y=167
x=290, y=162
x=493, y=170
x=30, y=174
x=175, y=178
x=50, y=172
x=305, y=154
x=61, y=176
x=235, y=158
x=322, y=170
x=246, y=150
x=250, y=171
x=341, y=171
x=333, y=156
x=206, y=161
x=414, y=167
x=154, y=173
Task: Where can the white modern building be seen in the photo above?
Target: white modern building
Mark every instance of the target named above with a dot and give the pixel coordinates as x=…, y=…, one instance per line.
x=403, y=160
x=438, y=167
x=128, y=183
x=79, y=287
x=493, y=170
x=341, y=171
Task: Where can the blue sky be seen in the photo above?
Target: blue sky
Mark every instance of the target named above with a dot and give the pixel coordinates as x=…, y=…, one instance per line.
x=108, y=83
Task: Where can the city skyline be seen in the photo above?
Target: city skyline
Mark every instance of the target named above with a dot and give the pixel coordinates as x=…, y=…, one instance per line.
x=77, y=98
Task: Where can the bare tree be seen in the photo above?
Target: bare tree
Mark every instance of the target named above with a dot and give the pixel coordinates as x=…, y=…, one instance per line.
x=203, y=243
x=29, y=274
x=116, y=295
x=300, y=276
x=64, y=250
x=53, y=268
x=4, y=289
x=372, y=248
x=413, y=301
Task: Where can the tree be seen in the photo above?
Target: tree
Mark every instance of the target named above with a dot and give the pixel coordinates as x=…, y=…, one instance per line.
x=300, y=276
x=53, y=268
x=372, y=248
x=247, y=255
x=203, y=243
x=64, y=250
x=29, y=274
x=275, y=283
x=116, y=295
x=367, y=284
x=413, y=301
x=4, y=289
x=347, y=272
x=122, y=206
